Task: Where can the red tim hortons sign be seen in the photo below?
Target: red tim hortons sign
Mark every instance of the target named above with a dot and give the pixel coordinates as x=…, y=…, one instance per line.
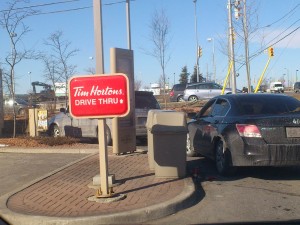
x=99, y=96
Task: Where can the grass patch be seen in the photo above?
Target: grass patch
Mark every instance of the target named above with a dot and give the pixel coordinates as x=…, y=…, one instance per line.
x=51, y=141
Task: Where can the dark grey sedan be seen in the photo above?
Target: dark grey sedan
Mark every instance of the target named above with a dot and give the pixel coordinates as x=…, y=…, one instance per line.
x=247, y=130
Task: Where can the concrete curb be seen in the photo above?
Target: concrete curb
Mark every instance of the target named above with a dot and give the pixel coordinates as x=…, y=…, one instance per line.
x=57, y=150
x=182, y=201
x=49, y=150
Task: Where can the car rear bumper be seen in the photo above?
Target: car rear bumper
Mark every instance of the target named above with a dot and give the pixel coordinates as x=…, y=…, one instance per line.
x=268, y=155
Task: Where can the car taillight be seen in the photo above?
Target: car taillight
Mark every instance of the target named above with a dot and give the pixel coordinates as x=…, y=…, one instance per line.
x=171, y=93
x=246, y=130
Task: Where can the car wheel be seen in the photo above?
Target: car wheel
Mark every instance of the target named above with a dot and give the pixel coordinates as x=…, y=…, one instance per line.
x=190, y=151
x=108, y=136
x=180, y=98
x=223, y=160
x=193, y=98
x=54, y=131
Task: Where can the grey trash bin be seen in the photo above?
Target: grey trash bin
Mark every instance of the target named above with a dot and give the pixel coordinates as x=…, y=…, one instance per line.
x=149, y=124
x=169, y=144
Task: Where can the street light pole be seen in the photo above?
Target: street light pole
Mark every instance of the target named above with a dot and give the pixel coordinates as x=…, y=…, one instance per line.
x=29, y=74
x=174, y=79
x=288, y=81
x=128, y=24
x=296, y=76
x=197, y=44
x=213, y=55
x=232, y=60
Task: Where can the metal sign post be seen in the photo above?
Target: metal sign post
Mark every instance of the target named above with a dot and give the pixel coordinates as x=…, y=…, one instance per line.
x=100, y=96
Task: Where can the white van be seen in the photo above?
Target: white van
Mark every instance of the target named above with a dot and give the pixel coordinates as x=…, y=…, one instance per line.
x=276, y=87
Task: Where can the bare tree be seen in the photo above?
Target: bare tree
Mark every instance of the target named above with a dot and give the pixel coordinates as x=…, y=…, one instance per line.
x=137, y=85
x=11, y=20
x=160, y=31
x=50, y=72
x=246, y=29
x=61, y=55
x=90, y=70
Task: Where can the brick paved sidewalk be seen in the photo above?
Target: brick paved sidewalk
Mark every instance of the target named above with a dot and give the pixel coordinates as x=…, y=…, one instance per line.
x=65, y=193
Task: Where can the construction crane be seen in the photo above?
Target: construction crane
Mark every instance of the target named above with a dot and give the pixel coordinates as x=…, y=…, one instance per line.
x=46, y=94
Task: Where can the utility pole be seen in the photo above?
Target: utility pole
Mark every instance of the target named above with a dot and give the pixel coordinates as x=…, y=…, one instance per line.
x=231, y=45
x=197, y=44
x=245, y=27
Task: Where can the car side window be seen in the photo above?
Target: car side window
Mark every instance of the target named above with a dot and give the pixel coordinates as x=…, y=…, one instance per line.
x=220, y=108
x=215, y=86
x=206, y=110
x=203, y=86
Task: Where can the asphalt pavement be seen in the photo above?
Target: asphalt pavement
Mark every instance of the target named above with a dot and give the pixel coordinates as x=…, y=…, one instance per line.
x=67, y=195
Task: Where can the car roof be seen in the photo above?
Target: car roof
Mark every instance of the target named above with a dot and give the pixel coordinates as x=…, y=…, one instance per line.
x=191, y=84
x=143, y=93
x=242, y=97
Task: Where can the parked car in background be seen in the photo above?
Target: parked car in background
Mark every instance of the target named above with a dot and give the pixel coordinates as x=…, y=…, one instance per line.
x=176, y=94
x=276, y=87
x=297, y=87
x=63, y=124
x=247, y=130
x=196, y=91
x=21, y=106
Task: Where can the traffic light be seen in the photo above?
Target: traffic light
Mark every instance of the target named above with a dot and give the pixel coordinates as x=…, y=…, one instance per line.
x=271, y=52
x=199, y=51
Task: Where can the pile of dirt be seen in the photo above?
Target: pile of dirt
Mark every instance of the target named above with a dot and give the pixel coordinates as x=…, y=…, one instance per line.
x=20, y=142
x=42, y=142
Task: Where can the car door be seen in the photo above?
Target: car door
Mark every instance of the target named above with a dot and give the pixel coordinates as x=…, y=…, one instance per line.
x=199, y=129
x=203, y=91
x=209, y=124
x=214, y=90
x=88, y=127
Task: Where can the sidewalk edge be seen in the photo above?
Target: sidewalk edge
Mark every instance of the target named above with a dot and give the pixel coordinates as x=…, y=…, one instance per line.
x=182, y=201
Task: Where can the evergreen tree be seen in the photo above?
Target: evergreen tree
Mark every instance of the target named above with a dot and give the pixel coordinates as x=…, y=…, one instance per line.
x=184, y=76
x=194, y=76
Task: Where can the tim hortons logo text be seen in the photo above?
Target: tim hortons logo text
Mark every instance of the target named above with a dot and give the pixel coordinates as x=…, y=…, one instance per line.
x=102, y=94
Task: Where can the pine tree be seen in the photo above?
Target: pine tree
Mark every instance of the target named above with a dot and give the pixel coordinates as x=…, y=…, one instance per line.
x=184, y=76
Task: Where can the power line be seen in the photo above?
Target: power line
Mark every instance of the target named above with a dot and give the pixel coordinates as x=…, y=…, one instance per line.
x=261, y=51
x=79, y=8
x=61, y=11
x=40, y=5
x=281, y=17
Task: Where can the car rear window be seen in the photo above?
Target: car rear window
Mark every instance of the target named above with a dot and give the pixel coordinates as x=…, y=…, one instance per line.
x=146, y=101
x=179, y=87
x=277, y=105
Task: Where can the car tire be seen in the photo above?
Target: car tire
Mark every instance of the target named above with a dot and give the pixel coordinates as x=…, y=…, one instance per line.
x=108, y=136
x=180, y=98
x=54, y=131
x=193, y=98
x=190, y=151
x=223, y=160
